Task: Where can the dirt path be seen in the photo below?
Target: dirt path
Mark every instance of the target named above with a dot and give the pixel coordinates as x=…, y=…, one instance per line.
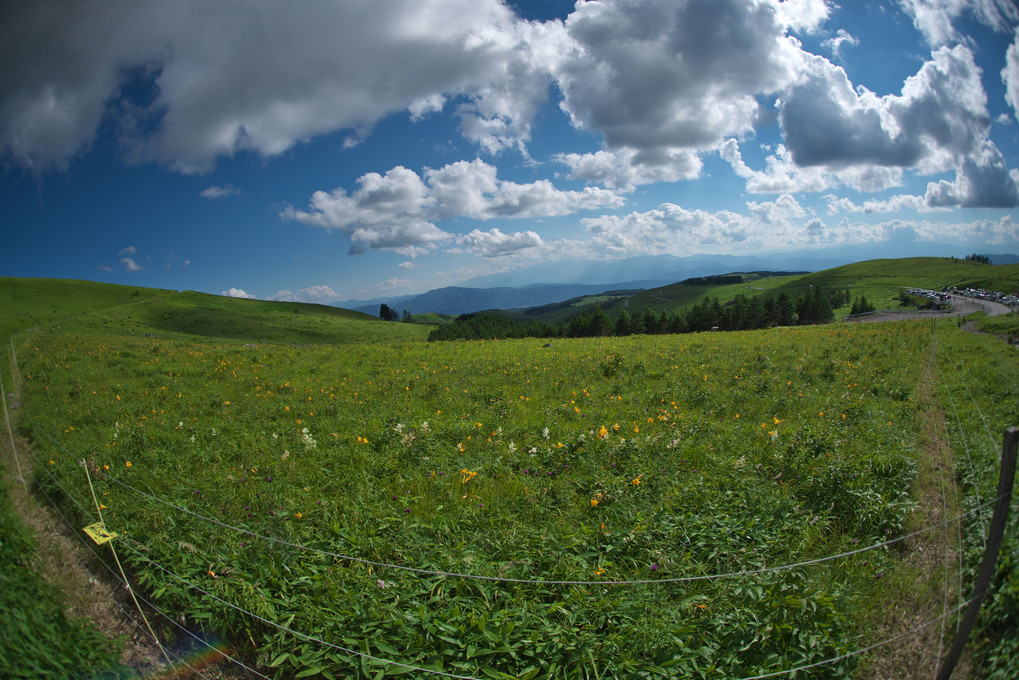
x=932, y=558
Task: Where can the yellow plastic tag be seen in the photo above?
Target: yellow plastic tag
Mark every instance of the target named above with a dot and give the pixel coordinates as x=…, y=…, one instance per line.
x=98, y=533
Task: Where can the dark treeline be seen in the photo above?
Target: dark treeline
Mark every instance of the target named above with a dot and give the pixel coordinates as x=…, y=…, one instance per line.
x=742, y=313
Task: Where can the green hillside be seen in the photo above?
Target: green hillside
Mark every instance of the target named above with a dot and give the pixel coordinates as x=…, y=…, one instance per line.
x=880, y=281
x=87, y=307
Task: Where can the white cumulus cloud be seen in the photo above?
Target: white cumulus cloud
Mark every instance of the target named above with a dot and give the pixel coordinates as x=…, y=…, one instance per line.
x=494, y=243
x=238, y=293
x=397, y=211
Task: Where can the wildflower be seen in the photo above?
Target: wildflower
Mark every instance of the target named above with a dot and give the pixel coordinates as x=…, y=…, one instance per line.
x=636, y=481
x=299, y=515
x=545, y=433
x=594, y=502
x=106, y=467
x=128, y=463
x=603, y=433
x=599, y=571
x=654, y=567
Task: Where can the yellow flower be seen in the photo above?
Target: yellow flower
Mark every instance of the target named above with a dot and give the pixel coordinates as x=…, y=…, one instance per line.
x=636, y=481
x=128, y=464
x=599, y=571
x=603, y=433
x=299, y=515
x=594, y=502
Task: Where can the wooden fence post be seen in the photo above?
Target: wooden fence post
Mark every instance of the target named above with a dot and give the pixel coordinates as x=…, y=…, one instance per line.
x=1005, y=478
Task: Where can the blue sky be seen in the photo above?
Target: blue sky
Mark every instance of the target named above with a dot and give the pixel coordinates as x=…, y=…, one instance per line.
x=325, y=150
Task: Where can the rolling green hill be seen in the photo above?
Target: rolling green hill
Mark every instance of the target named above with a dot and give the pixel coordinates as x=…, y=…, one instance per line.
x=86, y=307
x=880, y=281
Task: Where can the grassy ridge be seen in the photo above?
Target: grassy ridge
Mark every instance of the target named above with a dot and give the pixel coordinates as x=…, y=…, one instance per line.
x=78, y=306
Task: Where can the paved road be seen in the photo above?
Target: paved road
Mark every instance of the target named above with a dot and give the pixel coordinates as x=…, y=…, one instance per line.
x=961, y=306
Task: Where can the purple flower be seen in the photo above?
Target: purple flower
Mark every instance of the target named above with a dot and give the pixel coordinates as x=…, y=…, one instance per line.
x=406, y=509
x=654, y=567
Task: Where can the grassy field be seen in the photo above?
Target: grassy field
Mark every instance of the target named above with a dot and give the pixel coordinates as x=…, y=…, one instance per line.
x=615, y=507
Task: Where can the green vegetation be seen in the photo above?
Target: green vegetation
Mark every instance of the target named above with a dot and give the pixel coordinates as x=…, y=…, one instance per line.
x=1005, y=326
x=879, y=281
x=508, y=509
x=81, y=307
x=37, y=640
x=742, y=313
x=646, y=458
x=979, y=379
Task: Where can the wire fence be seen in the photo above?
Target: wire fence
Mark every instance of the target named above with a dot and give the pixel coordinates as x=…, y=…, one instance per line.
x=132, y=546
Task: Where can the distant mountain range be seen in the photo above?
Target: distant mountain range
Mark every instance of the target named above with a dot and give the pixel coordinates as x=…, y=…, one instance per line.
x=575, y=278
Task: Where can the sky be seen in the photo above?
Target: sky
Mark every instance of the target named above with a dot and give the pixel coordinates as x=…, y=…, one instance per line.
x=328, y=150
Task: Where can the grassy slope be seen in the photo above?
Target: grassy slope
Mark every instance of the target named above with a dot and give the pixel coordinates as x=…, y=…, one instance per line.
x=89, y=307
x=880, y=281
x=82, y=306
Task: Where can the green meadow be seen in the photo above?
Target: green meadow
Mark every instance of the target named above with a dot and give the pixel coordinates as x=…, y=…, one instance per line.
x=335, y=497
